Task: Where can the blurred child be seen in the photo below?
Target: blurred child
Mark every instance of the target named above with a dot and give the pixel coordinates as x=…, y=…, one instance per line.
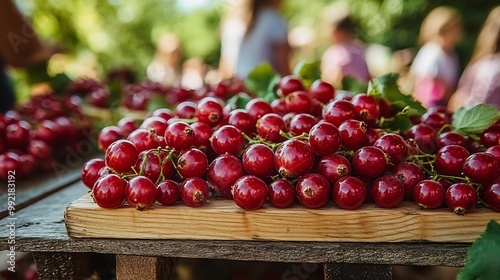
x=435, y=68
x=480, y=82
x=346, y=57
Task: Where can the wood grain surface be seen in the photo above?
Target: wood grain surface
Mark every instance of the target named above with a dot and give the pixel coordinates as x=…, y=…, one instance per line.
x=223, y=220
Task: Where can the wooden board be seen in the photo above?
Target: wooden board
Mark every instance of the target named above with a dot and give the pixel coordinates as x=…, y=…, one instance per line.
x=223, y=220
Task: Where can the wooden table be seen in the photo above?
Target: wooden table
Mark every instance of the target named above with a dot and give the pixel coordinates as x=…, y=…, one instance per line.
x=40, y=229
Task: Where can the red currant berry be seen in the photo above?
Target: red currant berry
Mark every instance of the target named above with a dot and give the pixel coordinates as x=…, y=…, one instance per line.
x=90, y=171
x=451, y=138
x=144, y=139
x=410, y=175
x=353, y=134
x=324, y=139
x=491, y=136
x=192, y=163
x=223, y=173
x=293, y=158
x=334, y=167
x=242, y=120
x=250, y=192
x=194, y=191
x=109, y=191
x=301, y=123
x=179, y=136
x=394, y=146
x=349, y=193
x=185, y=110
x=121, y=156
x=108, y=135
x=168, y=192
x=298, y=102
x=209, y=111
x=202, y=134
x=367, y=107
x=450, y=160
x=481, y=168
x=461, y=198
x=140, y=192
x=269, y=127
x=370, y=162
x=339, y=111
x=258, y=160
x=281, y=193
x=258, y=107
x=159, y=125
x=289, y=84
x=313, y=190
x=495, y=151
x=425, y=136
x=428, y=194
x=127, y=125
x=492, y=195
x=322, y=91
x=388, y=191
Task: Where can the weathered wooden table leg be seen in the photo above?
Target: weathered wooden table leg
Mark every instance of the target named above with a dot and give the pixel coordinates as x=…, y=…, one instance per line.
x=140, y=267
x=344, y=271
x=64, y=265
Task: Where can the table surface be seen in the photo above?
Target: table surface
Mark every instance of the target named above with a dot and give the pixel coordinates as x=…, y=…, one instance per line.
x=40, y=228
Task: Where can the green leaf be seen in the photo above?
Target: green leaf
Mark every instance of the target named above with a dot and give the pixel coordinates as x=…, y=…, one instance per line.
x=354, y=85
x=308, y=72
x=386, y=86
x=476, y=119
x=259, y=79
x=239, y=101
x=484, y=256
x=400, y=122
x=60, y=83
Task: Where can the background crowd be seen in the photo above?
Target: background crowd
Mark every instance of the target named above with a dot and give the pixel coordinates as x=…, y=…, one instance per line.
x=447, y=52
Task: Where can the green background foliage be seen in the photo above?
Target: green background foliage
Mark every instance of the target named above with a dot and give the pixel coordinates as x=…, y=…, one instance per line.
x=124, y=32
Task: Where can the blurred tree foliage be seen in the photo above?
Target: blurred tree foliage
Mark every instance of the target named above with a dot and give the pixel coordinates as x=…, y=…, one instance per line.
x=124, y=32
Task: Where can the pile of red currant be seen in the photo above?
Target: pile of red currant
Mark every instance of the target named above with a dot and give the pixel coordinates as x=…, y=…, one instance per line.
x=40, y=132
x=310, y=144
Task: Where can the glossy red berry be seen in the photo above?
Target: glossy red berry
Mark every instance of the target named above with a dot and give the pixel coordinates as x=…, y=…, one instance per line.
x=492, y=195
x=461, y=198
x=144, y=139
x=301, y=123
x=370, y=162
x=90, y=171
x=202, y=134
x=289, y=84
x=168, y=192
x=258, y=160
x=333, y=167
x=258, y=107
x=281, y=193
x=410, y=175
x=250, y=192
x=121, y=156
x=387, y=191
x=223, y=173
x=451, y=138
x=180, y=136
x=194, y=191
x=192, y=163
x=394, y=146
x=353, y=134
x=425, y=137
x=269, y=127
x=435, y=120
x=450, y=160
x=227, y=139
x=313, y=190
x=242, y=120
x=108, y=135
x=209, y=111
x=367, y=107
x=481, y=168
x=127, y=125
x=491, y=136
x=185, y=110
x=158, y=124
x=495, y=151
x=109, y=191
x=322, y=91
x=140, y=192
x=298, y=102
x=324, y=139
x=349, y=193
x=339, y=111
x=428, y=194
x=293, y=158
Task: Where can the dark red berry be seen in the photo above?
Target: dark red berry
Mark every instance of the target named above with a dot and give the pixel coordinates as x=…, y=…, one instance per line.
x=258, y=160
x=387, y=191
x=435, y=120
x=461, y=198
x=281, y=193
x=293, y=158
x=209, y=111
x=353, y=134
x=313, y=190
x=339, y=111
x=242, y=120
x=333, y=167
x=410, y=175
x=324, y=139
x=495, y=151
x=451, y=138
x=428, y=194
x=109, y=191
x=450, y=160
x=121, y=156
x=192, y=163
x=90, y=171
x=144, y=139
x=108, y=135
x=180, y=136
x=425, y=137
x=481, y=168
x=367, y=107
x=349, y=192
x=269, y=127
x=223, y=173
x=140, y=192
x=227, y=139
x=194, y=191
x=370, y=162
x=492, y=195
x=289, y=84
x=298, y=102
x=258, y=107
x=250, y=192
x=168, y=192
x=186, y=110
x=322, y=91
x=491, y=136
x=301, y=123
x=394, y=146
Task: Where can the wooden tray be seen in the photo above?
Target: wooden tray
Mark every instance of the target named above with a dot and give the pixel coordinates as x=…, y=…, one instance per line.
x=224, y=220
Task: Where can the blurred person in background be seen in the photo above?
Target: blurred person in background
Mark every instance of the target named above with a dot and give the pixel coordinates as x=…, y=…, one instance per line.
x=435, y=69
x=263, y=38
x=19, y=47
x=480, y=82
x=346, y=57
x=166, y=65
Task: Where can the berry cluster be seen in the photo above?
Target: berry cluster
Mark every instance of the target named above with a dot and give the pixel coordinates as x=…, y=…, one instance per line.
x=41, y=131
x=310, y=144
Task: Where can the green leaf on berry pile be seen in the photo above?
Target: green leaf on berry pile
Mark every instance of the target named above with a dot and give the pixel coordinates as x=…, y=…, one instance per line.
x=476, y=119
x=354, y=85
x=238, y=101
x=308, y=72
x=386, y=86
x=484, y=256
x=400, y=122
x=60, y=83
x=260, y=79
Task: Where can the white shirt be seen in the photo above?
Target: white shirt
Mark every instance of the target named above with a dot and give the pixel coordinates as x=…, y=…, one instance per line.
x=433, y=62
x=269, y=30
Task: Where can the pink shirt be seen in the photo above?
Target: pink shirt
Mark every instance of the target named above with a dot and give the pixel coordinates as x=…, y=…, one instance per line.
x=350, y=57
